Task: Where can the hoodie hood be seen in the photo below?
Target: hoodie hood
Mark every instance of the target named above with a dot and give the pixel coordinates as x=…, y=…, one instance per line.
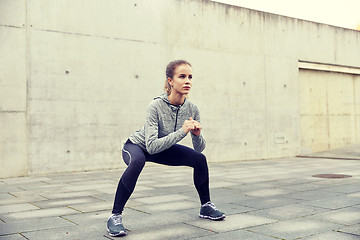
x=165, y=98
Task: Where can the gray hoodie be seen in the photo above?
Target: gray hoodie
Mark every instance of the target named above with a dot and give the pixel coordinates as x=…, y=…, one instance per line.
x=163, y=127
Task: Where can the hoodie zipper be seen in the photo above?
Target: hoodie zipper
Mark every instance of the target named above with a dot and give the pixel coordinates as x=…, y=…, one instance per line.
x=177, y=111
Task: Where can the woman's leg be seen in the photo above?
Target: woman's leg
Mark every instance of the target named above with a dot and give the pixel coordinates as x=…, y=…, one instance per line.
x=134, y=156
x=179, y=155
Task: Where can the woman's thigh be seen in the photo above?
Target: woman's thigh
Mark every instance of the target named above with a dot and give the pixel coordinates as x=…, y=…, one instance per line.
x=177, y=155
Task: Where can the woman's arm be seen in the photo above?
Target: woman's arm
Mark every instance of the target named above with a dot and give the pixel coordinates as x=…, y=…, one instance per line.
x=153, y=143
x=198, y=141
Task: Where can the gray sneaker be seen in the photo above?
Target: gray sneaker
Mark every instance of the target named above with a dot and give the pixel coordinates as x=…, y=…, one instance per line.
x=209, y=211
x=115, y=227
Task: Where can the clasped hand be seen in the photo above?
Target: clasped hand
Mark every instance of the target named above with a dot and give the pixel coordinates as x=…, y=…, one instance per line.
x=192, y=126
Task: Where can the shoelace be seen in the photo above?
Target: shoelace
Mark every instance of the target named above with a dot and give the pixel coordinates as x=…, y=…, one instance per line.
x=117, y=219
x=212, y=205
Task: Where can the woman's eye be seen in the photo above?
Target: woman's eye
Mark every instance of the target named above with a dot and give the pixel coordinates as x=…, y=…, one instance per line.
x=190, y=77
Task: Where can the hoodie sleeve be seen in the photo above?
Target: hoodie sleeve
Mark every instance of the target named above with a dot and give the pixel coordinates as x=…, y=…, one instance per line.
x=153, y=143
x=198, y=142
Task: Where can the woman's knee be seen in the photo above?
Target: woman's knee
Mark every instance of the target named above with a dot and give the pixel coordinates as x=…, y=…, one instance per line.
x=137, y=162
x=201, y=160
x=133, y=156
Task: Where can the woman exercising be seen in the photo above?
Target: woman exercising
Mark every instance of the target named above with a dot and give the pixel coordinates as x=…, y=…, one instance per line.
x=170, y=117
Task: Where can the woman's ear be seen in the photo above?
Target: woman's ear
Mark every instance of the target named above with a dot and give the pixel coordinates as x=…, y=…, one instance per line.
x=170, y=81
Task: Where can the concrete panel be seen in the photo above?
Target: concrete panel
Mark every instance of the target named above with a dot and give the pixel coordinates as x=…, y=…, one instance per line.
x=80, y=103
x=341, y=131
x=340, y=93
x=315, y=42
x=13, y=154
x=314, y=133
x=13, y=13
x=346, y=52
x=143, y=21
x=357, y=106
x=334, y=124
x=12, y=69
x=280, y=35
x=313, y=96
x=356, y=82
x=154, y=21
x=234, y=114
x=282, y=107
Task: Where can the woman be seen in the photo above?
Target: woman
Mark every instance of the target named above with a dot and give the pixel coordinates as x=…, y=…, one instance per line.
x=170, y=117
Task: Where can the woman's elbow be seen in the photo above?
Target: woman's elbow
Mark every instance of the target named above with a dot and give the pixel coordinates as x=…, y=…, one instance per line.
x=151, y=149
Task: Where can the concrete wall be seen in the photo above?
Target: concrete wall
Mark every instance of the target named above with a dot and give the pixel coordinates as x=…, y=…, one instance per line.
x=13, y=71
x=81, y=74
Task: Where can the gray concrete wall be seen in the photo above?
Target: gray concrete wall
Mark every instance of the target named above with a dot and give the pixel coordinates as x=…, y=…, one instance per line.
x=76, y=77
x=13, y=71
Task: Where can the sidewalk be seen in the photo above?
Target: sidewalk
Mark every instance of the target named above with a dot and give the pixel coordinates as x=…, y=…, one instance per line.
x=265, y=199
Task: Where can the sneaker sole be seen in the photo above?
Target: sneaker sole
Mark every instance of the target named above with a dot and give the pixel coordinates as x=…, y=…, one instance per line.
x=212, y=218
x=122, y=233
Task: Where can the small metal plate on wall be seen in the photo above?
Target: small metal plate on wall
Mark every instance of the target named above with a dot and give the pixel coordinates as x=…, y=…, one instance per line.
x=331, y=176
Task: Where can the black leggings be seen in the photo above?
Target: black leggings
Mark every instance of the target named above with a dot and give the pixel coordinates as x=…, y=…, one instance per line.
x=177, y=155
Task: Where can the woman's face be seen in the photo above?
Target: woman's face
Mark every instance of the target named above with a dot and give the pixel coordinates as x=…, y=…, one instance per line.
x=182, y=80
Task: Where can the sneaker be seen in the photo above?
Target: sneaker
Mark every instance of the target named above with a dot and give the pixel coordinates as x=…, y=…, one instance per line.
x=115, y=227
x=209, y=211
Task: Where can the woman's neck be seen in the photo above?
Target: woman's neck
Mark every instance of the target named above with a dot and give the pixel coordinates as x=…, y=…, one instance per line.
x=176, y=99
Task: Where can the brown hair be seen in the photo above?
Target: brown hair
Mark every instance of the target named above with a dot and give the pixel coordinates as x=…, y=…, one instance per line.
x=170, y=71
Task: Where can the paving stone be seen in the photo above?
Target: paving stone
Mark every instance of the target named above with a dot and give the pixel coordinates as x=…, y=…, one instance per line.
x=264, y=203
x=161, y=199
x=24, y=180
x=140, y=221
x=235, y=235
x=37, y=214
x=29, y=225
x=289, y=211
x=92, y=207
x=221, y=184
x=69, y=233
x=345, y=216
x=6, y=188
x=12, y=237
x=296, y=228
x=354, y=230
x=90, y=187
x=332, y=236
x=267, y=192
x=352, y=188
x=91, y=218
x=65, y=202
x=28, y=196
x=17, y=208
x=335, y=202
x=232, y=222
x=7, y=199
x=315, y=194
x=231, y=208
x=354, y=195
x=303, y=187
x=170, y=206
x=69, y=194
x=177, y=231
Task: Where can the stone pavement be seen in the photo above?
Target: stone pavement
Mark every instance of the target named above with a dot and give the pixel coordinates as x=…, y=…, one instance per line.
x=265, y=199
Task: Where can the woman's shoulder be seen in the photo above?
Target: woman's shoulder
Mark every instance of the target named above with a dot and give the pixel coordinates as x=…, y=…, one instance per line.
x=156, y=103
x=191, y=105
